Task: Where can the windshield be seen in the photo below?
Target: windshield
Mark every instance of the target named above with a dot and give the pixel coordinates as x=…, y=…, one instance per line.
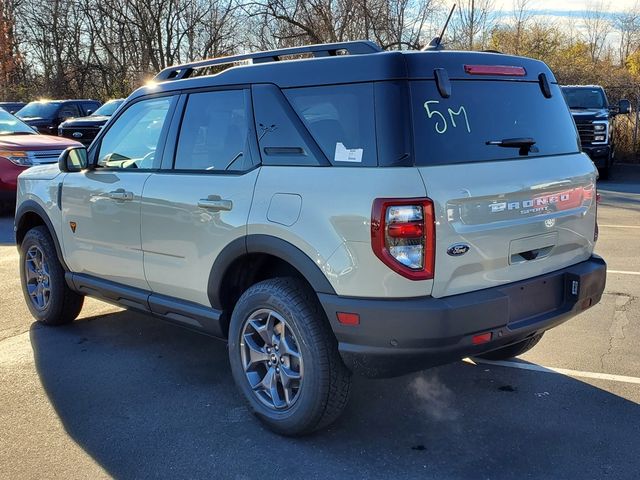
x=10, y=125
x=583, y=98
x=108, y=108
x=489, y=120
x=39, y=109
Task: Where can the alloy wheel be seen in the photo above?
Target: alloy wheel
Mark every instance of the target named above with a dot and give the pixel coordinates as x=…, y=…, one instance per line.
x=271, y=359
x=37, y=276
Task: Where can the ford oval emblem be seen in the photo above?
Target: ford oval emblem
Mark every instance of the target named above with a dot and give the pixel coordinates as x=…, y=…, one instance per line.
x=77, y=134
x=458, y=249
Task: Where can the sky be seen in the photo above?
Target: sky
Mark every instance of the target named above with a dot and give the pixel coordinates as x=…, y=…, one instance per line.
x=563, y=6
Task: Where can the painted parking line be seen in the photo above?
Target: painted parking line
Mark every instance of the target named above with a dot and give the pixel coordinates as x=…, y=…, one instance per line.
x=560, y=371
x=623, y=272
x=618, y=226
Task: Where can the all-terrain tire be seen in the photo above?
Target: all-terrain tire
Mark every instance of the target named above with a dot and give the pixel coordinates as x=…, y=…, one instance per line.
x=514, y=350
x=59, y=305
x=325, y=381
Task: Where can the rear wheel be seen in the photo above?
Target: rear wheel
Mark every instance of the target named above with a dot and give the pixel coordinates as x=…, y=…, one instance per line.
x=285, y=359
x=48, y=297
x=512, y=350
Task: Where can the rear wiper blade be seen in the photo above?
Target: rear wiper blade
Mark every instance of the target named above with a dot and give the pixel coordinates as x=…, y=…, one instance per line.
x=525, y=144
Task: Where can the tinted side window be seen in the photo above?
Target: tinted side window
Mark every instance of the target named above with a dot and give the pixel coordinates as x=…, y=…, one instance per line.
x=214, y=132
x=457, y=129
x=341, y=118
x=132, y=140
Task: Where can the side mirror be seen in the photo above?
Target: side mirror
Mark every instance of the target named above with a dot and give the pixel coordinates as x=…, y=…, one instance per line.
x=73, y=159
x=89, y=112
x=624, y=107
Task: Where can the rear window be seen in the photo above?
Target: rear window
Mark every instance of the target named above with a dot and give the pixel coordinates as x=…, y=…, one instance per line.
x=457, y=129
x=341, y=119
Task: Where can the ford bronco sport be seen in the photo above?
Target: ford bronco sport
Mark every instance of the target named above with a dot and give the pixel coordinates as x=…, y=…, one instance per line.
x=357, y=211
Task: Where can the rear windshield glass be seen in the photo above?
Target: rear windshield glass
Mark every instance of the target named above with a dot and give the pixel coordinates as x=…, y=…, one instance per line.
x=38, y=110
x=583, y=98
x=457, y=129
x=108, y=108
x=341, y=120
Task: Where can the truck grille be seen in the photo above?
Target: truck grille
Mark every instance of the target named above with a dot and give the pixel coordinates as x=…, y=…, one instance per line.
x=84, y=135
x=44, y=156
x=586, y=132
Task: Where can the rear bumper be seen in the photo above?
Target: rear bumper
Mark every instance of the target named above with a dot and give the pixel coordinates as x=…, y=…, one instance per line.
x=398, y=336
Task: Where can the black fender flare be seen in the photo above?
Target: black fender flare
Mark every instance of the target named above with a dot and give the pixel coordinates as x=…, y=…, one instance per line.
x=270, y=245
x=31, y=206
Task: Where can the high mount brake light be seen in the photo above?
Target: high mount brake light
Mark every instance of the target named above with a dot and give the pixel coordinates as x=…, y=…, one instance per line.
x=403, y=235
x=496, y=70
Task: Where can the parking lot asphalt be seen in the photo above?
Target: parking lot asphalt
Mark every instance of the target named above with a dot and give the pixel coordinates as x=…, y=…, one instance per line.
x=117, y=394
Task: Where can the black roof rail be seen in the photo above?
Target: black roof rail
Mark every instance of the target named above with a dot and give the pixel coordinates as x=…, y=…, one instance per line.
x=360, y=47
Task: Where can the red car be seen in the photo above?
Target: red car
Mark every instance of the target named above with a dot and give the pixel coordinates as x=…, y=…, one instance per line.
x=20, y=148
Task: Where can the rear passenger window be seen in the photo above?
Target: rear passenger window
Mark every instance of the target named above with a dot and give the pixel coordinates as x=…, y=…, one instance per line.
x=341, y=119
x=214, y=132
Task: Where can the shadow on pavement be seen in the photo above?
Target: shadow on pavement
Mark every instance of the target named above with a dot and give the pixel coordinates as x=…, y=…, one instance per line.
x=147, y=399
x=6, y=230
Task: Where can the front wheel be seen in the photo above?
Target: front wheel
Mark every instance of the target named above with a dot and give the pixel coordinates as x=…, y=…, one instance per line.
x=285, y=359
x=49, y=298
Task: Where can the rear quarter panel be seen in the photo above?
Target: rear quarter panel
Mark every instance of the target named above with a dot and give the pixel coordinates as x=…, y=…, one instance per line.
x=326, y=213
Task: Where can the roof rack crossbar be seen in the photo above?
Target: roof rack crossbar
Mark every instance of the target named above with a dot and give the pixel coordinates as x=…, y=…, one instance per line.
x=178, y=72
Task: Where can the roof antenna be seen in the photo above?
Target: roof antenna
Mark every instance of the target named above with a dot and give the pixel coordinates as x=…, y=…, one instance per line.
x=435, y=44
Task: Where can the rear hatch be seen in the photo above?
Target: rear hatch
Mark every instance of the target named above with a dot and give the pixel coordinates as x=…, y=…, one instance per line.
x=498, y=152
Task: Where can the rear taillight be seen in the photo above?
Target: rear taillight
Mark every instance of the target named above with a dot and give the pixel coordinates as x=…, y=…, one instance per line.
x=596, y=230
x=403, y=236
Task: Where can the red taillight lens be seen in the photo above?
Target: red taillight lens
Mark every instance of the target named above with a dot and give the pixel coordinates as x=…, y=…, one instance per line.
x=403, y=236
x=596, y=230
x=498, y=70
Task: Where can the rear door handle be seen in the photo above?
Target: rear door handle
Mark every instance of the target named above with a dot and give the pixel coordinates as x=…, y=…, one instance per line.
x=120, y=195
x=215, y=205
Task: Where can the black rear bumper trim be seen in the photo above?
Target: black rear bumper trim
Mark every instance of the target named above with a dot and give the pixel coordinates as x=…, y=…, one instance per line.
x=398, y=336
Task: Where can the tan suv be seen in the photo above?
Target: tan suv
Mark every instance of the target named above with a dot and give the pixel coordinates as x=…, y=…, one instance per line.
x=356, y=211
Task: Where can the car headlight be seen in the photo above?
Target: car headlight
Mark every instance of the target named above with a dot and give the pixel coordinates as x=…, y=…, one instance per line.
x=599, y=127
x=599, y=138
x=18, y=158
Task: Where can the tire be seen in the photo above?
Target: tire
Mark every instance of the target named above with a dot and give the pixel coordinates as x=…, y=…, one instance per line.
x=319, y=396
x=514, y=350
x=603, y=173
x=51, y=301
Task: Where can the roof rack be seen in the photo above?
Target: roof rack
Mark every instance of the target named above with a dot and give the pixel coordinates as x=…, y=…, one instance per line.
x=361, y=47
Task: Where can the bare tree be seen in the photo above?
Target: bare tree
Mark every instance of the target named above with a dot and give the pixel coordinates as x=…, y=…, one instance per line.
x=627, y=24
x=521, y=17
x=473, y=23
x=597, y=28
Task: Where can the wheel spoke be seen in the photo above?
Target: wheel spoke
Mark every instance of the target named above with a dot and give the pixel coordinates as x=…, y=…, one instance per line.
x=267, y=380
x=288, y=376
x=286, y=347
x=257, y=354
x=264, y=329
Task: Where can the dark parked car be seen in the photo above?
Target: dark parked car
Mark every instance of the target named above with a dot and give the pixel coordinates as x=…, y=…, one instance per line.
x=85, y=129
x=11, y=107
x=594, y=118
x=46, y=115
